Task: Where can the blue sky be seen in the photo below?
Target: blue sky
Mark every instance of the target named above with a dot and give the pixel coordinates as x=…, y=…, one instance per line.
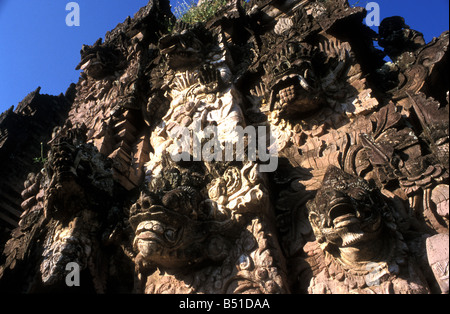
x=37, y=48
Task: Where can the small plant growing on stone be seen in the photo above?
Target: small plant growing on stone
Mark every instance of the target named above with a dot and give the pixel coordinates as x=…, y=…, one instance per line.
x=190, y=12
x=41, y=160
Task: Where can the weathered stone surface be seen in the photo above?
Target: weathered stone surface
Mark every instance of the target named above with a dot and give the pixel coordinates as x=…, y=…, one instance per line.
x=357, y=202
x=22, y=131
x=437, y=252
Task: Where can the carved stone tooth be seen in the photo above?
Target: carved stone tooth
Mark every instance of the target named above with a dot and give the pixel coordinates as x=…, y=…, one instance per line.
x=304, y=83
x=158, y=228
x=351, y=238
x=148, y=226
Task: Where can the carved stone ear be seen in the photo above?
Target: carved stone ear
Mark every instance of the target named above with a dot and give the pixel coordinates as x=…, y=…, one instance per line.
x=314, y=219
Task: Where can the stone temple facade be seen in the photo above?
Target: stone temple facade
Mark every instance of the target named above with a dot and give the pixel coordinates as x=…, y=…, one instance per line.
x=353, y=199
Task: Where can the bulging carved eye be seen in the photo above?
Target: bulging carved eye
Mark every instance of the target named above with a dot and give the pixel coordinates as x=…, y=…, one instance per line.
x=284, y=66
x=170, y=235
x=341, y=186
x=136, y=207
x=178, y=201
x=146, y=204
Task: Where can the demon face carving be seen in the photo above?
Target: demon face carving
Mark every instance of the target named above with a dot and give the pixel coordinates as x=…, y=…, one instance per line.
x=347, y=214
x=292, y=81
x=174, y=224
x=183, y=47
